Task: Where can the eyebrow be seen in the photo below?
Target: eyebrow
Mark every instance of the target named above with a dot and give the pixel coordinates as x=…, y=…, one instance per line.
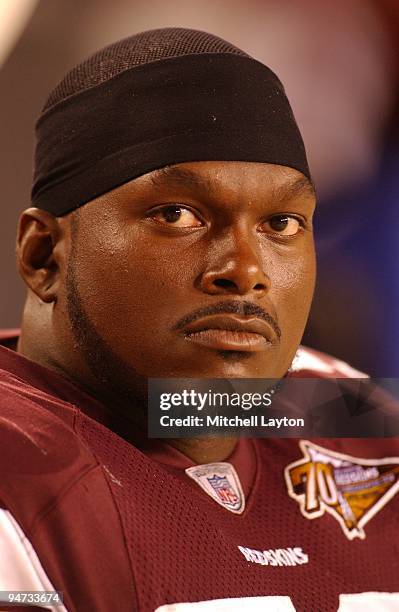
x=182, y=177
x=179, y=177
x=300, y=186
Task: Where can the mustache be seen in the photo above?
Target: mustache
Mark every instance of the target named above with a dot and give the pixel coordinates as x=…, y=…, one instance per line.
x=242, y=308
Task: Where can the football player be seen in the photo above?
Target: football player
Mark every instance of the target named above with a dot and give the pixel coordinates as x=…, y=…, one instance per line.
x=170, y=235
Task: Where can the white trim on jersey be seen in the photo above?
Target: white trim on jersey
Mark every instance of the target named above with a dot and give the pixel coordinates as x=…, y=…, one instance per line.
x=369, y=602
x=20, y=568
x=358, y=602
x=308, y=359
x=271, y=603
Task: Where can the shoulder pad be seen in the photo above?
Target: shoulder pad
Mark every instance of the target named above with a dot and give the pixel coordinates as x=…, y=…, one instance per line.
x=314, y=364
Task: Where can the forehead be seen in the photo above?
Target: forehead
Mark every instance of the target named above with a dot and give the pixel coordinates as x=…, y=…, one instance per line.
x=224, y=183
x=213, y=176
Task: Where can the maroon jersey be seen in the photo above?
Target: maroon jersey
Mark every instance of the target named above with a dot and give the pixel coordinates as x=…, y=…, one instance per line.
x=283, y=524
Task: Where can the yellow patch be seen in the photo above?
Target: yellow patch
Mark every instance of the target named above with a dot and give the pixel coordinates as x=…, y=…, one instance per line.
x=352, y=490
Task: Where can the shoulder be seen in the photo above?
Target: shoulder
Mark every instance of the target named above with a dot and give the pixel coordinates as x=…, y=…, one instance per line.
x=41, y=454
x=315, y=364
x=27, y=425
x=351, y=392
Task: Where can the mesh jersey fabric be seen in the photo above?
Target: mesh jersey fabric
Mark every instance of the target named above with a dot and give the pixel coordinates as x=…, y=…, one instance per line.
x=98, y=503
x=190, y=552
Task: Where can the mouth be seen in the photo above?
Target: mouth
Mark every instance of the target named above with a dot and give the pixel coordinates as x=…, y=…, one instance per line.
x=230, y=333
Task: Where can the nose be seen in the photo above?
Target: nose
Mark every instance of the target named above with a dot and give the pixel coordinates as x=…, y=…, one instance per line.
x=235, y=268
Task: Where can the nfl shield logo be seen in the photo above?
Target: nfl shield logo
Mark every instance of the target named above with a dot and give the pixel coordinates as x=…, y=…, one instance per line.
x=224, y=490
x=220, y=481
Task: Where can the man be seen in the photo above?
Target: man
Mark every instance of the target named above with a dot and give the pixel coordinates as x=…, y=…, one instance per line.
x=171, y=236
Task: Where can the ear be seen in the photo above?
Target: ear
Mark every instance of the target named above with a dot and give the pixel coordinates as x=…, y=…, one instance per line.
x=39, y=234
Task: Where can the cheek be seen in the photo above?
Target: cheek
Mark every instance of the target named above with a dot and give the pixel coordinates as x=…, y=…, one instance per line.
x=132, y=283
x=292, y=288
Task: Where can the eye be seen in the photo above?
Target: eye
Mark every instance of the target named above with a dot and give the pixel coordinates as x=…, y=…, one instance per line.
x=175, y=216
x=283, y=225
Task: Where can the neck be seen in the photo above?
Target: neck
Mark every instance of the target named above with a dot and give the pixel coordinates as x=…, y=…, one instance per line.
x=199, y=450
x=205, y=450
x=36, y=344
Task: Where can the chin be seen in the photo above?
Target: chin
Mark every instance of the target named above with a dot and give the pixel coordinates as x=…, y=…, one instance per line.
x=231, y=364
